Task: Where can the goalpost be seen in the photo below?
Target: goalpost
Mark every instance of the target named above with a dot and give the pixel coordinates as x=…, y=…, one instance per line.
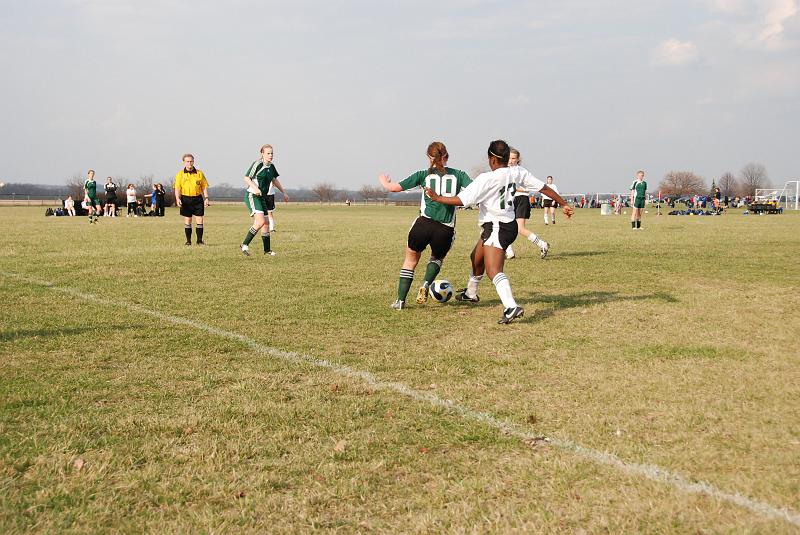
x=788, y=195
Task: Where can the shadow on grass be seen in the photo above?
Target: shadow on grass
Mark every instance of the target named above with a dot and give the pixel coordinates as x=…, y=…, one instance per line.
x=19, y=334
x=557, y=256
x=584, y=299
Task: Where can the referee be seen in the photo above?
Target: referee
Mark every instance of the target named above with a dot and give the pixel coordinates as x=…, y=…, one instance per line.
x=191, y=195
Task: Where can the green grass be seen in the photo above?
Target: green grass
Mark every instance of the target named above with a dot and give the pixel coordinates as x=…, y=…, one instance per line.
x=675, y=346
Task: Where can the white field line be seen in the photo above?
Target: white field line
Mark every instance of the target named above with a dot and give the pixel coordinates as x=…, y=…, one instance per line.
x=648, y=471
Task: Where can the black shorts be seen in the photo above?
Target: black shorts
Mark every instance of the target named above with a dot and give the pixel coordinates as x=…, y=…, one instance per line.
x=192, y=206
x=499, y=235
x=425, y=231
x=522, y=207
x=111, y=200
x=270, y=202
x=549, y=203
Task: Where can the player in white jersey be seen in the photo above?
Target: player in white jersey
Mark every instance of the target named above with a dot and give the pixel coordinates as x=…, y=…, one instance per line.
x=550, y=203
x=522, y=211
x=494, y=192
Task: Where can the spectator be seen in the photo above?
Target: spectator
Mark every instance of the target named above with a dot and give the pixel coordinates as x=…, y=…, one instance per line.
x=159, y=197
x=111, y=198
x=69, y=206
x=130, y=195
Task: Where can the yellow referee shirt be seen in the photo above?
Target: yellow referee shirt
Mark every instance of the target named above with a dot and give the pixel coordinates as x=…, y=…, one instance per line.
x=190, y=183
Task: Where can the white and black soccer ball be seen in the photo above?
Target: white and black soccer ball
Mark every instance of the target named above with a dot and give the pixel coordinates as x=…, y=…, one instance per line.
x=441, y=290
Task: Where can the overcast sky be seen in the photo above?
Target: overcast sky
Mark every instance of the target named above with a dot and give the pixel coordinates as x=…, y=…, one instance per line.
x=589, y=90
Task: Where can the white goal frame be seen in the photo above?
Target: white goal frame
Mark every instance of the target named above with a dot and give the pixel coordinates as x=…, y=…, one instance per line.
x=788, y=195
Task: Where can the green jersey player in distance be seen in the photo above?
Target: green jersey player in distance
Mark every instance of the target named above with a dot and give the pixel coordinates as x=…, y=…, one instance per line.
x=638, y=195
x=435, y=226
x=90, y=196
x=258, y=178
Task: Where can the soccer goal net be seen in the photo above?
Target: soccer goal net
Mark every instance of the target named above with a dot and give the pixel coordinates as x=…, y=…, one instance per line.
x=788, y=195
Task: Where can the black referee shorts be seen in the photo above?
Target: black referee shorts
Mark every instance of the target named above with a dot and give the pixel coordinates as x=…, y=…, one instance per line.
x=425, y=231
x=192, y=205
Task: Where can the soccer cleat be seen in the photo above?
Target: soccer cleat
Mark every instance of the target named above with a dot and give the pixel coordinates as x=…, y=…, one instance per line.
x=200, y=242
x=188, y=243
x=269, y=253
x=245, y=250
x=422, y=295
x=510, y=314
x=461, y=295
x=545, y=249
x=398, y=305
x=509, y=255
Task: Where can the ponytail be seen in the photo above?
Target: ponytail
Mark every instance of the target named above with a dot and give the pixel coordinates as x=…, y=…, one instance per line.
x=437, y=152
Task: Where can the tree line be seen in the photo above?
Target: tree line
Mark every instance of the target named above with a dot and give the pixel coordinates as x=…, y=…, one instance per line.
x=751, y=177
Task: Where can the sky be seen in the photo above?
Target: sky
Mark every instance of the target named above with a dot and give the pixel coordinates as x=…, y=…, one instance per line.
x=589, y=91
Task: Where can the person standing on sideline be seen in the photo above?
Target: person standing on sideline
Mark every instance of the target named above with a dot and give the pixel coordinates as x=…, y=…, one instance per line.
x=638, y=195
x=111, y=198
x=548, y=203
x=522, y=211
x=191, y=196
x=90, y=196
x=160, y=200
x=494, y=193
x=259, y=179
x=130, y=199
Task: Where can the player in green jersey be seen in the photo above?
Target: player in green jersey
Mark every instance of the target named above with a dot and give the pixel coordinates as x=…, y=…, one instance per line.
x=258, y=179
x=435, y=225
x=638, y=196
x=90, y=196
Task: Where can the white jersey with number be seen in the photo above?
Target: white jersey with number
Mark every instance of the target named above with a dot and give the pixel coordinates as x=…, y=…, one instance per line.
x=552, y=187
x=494, y=192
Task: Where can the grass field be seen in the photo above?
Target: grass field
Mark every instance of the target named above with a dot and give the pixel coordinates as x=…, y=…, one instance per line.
x=651, y=360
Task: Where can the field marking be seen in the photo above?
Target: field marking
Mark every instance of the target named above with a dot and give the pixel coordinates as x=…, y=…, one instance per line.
x=648, y=471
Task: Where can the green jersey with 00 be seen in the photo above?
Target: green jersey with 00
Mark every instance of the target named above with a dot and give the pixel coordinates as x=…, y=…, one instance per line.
x=91, y=188
x=262, y=174
x=640, y=188
x=447, y=185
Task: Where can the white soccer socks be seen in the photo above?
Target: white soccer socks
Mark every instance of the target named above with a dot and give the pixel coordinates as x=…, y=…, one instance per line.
x=503, y=288
x=472, y=286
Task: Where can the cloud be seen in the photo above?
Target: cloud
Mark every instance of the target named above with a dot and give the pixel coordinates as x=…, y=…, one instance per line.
x=778, y=13
x=675, y=52
x=757, y=23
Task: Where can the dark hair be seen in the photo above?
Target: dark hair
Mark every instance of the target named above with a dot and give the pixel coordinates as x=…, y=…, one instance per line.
x=438, y=152
x=500, y=150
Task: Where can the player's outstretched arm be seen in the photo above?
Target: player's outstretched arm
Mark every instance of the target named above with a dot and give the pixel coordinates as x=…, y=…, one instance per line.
x=452, y=201
x=388, y=185
x=280, y=188
x=252, y=185
x=565, y=207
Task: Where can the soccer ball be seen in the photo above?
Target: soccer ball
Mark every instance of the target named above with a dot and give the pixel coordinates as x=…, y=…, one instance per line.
x=441, y=290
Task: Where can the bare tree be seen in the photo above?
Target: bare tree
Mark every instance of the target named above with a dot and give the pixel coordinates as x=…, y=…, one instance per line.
x=752, y=177
x=681, y=183
x=476, y=170
x=144, y=186
x=75, y=187
x=325, y=191
x=373, y=193
x=727, y=184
